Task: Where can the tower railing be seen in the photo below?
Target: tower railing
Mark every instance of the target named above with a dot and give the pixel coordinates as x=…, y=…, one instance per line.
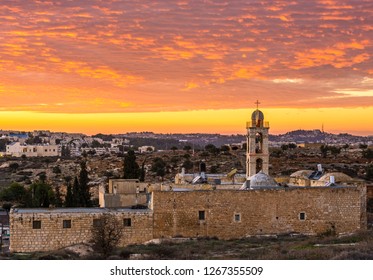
x=257, y=124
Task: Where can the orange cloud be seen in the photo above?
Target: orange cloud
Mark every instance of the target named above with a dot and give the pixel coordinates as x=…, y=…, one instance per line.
x=136, y=56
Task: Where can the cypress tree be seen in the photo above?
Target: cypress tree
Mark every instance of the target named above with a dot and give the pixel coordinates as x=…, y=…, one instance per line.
x=69, y=199
x=57, y=199
x=76, y=193
x=84, y=195
x=131, y=169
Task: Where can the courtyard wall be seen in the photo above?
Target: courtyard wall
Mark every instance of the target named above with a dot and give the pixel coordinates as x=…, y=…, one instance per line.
x=235, y=214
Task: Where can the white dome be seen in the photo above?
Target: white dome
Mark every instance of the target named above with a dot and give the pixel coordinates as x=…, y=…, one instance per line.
x=261, y=180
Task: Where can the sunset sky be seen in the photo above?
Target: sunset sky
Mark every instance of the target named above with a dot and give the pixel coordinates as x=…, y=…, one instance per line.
x=114, y=66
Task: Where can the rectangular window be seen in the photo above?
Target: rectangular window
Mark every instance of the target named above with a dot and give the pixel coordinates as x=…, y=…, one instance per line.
x=201, y=215
x=237, y=217
x=66, y=223
x=36, y=224
x=302, y=216
x=127, y=222
x=96, y=222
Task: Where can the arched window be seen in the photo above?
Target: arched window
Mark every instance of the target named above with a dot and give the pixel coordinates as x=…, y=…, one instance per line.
x=258, y=143
x=259, y=165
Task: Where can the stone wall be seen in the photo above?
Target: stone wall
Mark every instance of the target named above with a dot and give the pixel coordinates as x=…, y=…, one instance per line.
x=52, y=235
x=125, y=200
x=236, y=214
x=126, y=186
x=226, y=214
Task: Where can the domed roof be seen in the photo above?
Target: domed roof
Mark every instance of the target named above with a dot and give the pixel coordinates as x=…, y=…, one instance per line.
x=261, y=180
x=301, y=173
x=257, y=115
x=338, y=176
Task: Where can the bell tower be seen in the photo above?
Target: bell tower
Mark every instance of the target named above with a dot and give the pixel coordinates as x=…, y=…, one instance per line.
x=257, y=154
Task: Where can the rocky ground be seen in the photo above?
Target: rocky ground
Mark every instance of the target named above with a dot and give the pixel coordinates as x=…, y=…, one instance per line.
x=282, y=163
x=358, y=246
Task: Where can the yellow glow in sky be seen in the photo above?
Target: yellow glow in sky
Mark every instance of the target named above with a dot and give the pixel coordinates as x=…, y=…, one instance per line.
x=227, y=121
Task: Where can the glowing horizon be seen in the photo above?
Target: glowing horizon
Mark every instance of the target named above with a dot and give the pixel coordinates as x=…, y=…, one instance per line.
x=206, y=121
x=186, y=66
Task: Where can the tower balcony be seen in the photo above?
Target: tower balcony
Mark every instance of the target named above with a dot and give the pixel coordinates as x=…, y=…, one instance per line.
x=257, y=124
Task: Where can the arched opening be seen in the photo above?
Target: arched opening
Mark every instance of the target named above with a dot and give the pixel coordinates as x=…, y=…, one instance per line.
x=258, y=143
x=259, y=165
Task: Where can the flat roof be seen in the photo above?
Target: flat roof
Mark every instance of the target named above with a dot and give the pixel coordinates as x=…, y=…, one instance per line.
x=76, y=210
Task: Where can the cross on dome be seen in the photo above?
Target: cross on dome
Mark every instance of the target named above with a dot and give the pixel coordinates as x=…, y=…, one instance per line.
x=257, y=104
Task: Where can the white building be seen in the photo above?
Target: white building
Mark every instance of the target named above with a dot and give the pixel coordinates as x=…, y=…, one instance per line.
x=16, y=149
x=146, y=149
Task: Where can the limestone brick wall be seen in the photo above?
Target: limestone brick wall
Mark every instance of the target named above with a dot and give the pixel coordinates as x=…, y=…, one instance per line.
x=125, y=200
x=52, y=235
x=127, y=186
x=236, y=214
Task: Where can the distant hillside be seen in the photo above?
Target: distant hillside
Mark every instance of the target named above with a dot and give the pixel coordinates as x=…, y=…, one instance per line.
x=199, y=140
x=317, y=136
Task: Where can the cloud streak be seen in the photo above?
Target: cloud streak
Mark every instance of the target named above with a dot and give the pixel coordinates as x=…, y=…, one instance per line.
x=149, y=56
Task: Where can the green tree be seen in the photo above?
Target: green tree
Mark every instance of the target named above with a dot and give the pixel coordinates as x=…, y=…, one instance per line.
x=324, y=150
x=174, y=160
x=187, y=164
x=335, y=150
x=65, y=151
x=142, y=171
x=224, y=148
x=211, y=149
x=96, y=144
x=76, y=193
x=159, y=167
x=69, y=199
x=284, y=147
x=57, y=198
x=14, y=166
x=84, y=193
x=174, y=149
x=15, y=193
x=187, y=148
x=56, y=169
x=3, y=143
x=131, y=169
x=368, y=154
x=43, y=177
x=292, y=146
x=363, y=146
x=42, y=194
x=7, y=206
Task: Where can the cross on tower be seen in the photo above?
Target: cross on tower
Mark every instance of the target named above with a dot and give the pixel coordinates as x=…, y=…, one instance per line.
x=257, y=104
